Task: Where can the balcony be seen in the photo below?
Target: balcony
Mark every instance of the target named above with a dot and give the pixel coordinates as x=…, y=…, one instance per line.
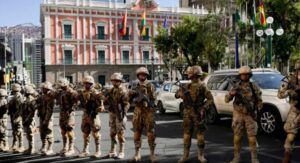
x=101, y=37
x=67, y=36
x=126, y=37
x=144, y=38
x=100, y=61
x=67, y=62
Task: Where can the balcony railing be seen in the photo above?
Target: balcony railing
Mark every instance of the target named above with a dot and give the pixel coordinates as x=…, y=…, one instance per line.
x=101, y=37
x=67, y=62
x=144, y=38
x=126, y=37
x=100, y=61
x=67, y=36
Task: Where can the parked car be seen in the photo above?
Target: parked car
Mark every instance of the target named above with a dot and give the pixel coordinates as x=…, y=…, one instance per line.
x=166, y=100
x=274, y=111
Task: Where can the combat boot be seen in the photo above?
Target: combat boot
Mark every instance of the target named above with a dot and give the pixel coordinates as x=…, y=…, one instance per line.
x=152, y=154
x=137, y=155
x=43, y=149
x=65, y=147
x=21, y=148
x=85, y=152
x=254, y=156
x=287, y=157
x=98, y=150
x=122, y=151
x=30, y=149
x=201, y=157
x=50, y=149
x=112, y=152
x=237, y=149
x=71, y=150
x=186, y=152
x=5, y=146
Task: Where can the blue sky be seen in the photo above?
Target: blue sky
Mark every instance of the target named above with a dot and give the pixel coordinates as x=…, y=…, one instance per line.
x=13, y=12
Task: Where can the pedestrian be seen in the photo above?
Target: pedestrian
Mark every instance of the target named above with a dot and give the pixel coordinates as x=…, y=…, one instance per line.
x=3, y=121
x=143, y=116
x=67, y=100
x=45, y=104
x=92, y=101
x=194, y=96
x=291, y=89
x=247, y=102
x=15, y=112
x=28, y=114
x=118, y=102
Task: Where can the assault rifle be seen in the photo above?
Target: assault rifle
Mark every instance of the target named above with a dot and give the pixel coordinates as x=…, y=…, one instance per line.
x=119, y=108
x=189, y=101
x=241, y=99
x=141, y=97
x=292, y=87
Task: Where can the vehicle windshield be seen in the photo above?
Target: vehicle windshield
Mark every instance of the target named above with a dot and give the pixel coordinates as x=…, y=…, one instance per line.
x=155, y=83
x=268, y=81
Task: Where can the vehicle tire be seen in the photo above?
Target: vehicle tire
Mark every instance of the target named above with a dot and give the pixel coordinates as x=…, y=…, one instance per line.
x=181, y=108
x=160, y=107
x=212, y=116
x=269, y=120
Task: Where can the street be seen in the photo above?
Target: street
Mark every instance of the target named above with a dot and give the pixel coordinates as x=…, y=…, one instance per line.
x=219, y=148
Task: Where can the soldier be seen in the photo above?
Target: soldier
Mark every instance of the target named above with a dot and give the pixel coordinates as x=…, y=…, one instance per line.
x=118, y=102
x=3, y=121
x=143, y=116
x=247, y=101
x=194, y=95
x=291, y=89
x=15, y=112
x=28, y=113
x=67, y=100
x=92, y=101
x=45, y=110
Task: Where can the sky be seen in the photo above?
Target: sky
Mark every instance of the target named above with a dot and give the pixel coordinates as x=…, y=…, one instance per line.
x=13, y=12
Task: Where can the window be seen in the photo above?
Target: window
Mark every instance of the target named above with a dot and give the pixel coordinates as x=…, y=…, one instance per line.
x=218, y=82
x=126, y=77
x=70, y=78
x=145, y=56
x=68, y=31
x=101, y=33
x=167, y=87
x=125, y=57
x=101, y=79
x=68, y=59
x=101, y=57
x=126, y=37
x=146, y=37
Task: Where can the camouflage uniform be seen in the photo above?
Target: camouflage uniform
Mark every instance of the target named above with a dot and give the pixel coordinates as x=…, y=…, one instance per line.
x=28, y=113
x=243, y=119
x=92, y=101
x=15, y=112
x=3, y=121
x=143, y=116
x=45, y=110
x=193, y=118
x=67, y=100
x=291, y=89
x=118, y=106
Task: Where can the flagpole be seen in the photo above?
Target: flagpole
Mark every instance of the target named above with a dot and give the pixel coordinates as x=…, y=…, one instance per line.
x=253, y=43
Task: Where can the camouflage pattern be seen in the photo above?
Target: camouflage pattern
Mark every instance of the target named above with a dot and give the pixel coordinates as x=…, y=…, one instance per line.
x=92, y=102
x=28, y=114
x=45, y=110
x=293, y=118
x=143, y=116
x=193, y=118
x=3, y=123
x=242, y=119
x=67, y=100
x=15, y=112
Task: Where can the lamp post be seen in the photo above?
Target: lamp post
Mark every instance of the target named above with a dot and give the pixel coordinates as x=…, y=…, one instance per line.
x=270, y=32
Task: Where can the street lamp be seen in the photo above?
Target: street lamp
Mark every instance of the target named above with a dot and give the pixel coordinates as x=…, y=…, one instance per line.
x=270, y=32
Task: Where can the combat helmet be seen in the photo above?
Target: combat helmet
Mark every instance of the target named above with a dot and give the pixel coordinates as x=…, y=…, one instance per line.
x=88, y=79
x=116, y=76
x=29, y=90
x=194, y=71
x=63, y=82
x=47, y=85
x=16, y=87
x=142, y=70
x=245, y=70
x=3, y=93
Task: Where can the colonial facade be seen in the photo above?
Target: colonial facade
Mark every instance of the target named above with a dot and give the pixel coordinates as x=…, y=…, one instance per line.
x=81, y=37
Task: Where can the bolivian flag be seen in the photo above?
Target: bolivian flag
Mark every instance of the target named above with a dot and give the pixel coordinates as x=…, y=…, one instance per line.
x=124, y=25
x=143, y=24
x=262, y=14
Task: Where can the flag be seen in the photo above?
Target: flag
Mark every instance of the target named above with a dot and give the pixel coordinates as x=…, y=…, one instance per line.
x=262, y=14
x=165, y=24
x=123, y=30
x=143, y=24
x=237, y=60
